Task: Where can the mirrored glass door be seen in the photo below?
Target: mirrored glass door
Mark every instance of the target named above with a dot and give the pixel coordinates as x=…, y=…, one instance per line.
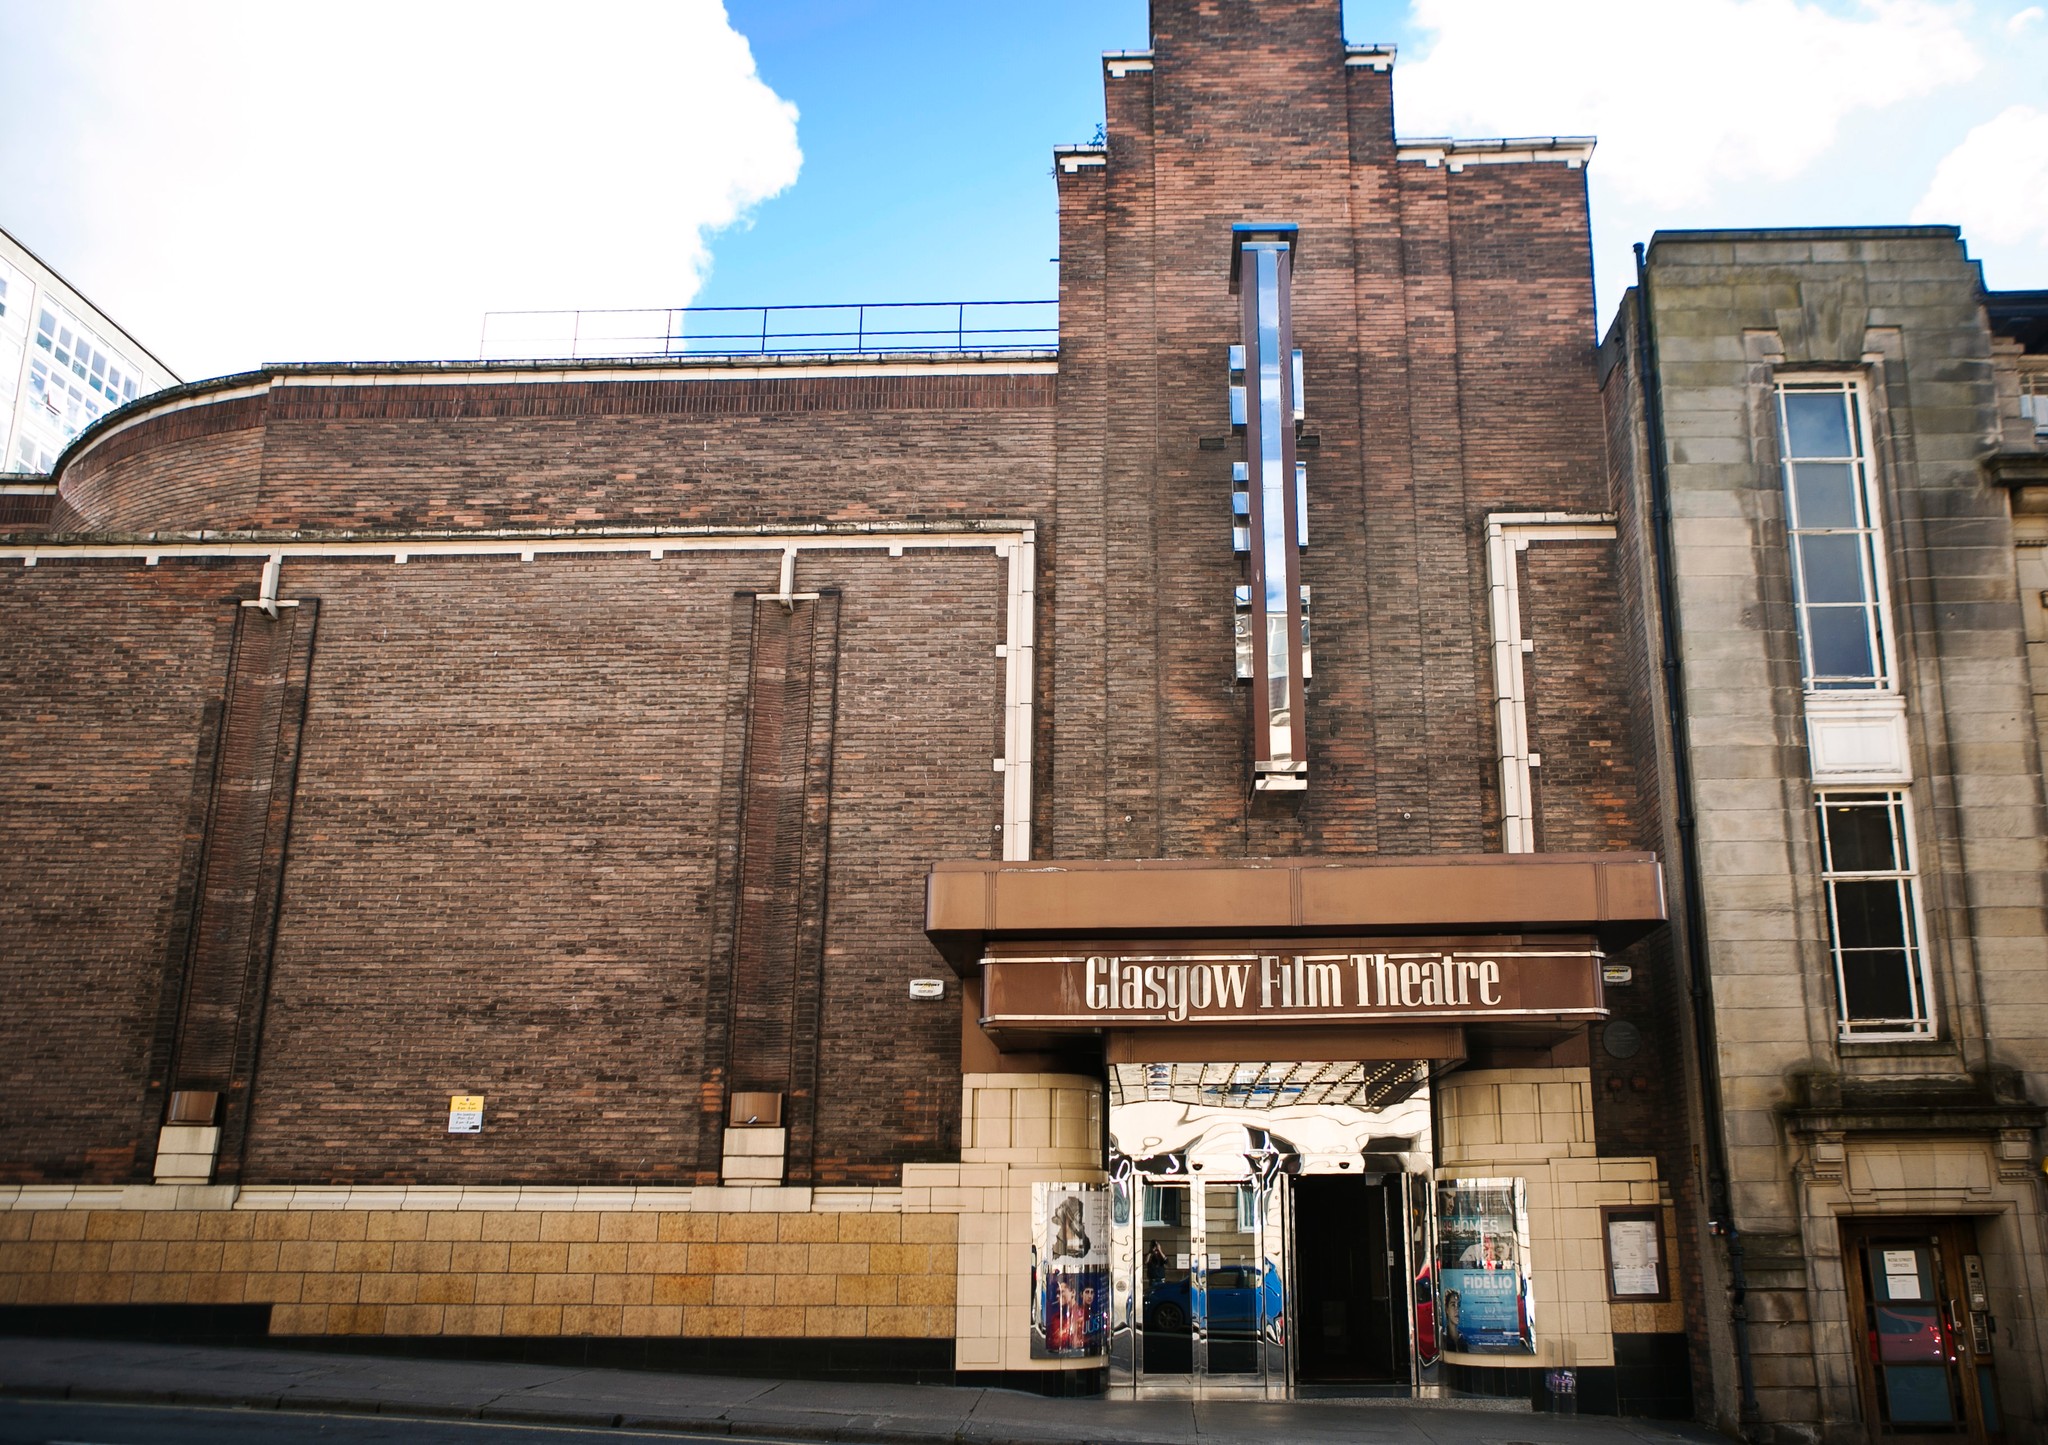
x=1233, y=1277
x=1168, y=1298
x=1212, y=1297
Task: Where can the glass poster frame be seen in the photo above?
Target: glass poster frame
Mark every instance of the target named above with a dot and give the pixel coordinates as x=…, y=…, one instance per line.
x=1070, y=1240
x=1484, y=1303
x=1633, y=1238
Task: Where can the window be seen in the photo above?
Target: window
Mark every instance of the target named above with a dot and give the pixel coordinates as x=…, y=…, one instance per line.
x=1837, y=552
x=1873, y=902
x=2034, y=400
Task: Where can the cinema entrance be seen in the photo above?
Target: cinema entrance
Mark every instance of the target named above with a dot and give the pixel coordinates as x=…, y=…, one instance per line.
x=1271, y=1229
x=1327, y=1089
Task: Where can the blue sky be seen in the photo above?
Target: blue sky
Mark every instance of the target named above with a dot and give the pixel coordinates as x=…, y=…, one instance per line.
x=241, y=182
x=926, y=129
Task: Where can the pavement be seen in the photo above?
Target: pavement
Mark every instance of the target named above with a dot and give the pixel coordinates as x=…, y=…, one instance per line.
x=802, y=1410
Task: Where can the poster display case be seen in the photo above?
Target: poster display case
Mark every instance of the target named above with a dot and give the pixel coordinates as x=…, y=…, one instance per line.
x=1483, y=1297
x=1070, y=1239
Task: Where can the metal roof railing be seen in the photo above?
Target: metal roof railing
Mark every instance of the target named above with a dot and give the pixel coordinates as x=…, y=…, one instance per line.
x=869, y=327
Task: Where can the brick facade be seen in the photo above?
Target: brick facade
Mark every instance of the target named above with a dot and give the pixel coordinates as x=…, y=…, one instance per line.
x=626, y=707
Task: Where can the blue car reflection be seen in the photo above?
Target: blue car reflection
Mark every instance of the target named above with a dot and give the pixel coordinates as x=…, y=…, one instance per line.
x=1236, y=1293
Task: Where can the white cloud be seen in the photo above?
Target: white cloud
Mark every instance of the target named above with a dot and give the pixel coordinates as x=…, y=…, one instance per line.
x=255, y=182
x=2032, y=15
x=1684, y=97
x=1995, y=183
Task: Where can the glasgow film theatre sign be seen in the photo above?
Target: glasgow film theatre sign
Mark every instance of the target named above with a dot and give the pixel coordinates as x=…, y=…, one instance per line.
x=1383, y=980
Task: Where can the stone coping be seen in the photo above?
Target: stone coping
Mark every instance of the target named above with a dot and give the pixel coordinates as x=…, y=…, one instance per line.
x=709, y=1199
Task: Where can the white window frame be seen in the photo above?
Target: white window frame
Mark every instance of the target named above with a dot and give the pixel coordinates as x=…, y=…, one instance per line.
x=1877, y=607
x=2034, y=396
x=1923, y=1025
x=1247, y=1209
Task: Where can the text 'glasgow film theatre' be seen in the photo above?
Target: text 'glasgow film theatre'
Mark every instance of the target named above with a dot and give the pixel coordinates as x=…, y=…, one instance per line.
x=1132, y=866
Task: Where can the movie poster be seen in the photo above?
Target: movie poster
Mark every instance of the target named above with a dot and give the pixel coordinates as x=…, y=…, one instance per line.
x=1483, y=1267
x=1069, y=1271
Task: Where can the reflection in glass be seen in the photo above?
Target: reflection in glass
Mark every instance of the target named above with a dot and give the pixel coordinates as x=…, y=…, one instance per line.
x=1831, y=516
x=1817, y=423
x=1838, y=640
x=1234, y=1280
x=1908, y=1335
x=1486, y=1304
x=1831, y=568
x=1873, y=926
x=1824, y=495
x=1275, y=484
x=1168, y=1302
x=1218, y=1157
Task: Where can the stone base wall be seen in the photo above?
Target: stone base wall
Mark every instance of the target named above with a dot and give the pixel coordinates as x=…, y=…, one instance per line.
x=945, y=1255
x=1017, y=1130
x=1537, y=1125
x=800, y=1263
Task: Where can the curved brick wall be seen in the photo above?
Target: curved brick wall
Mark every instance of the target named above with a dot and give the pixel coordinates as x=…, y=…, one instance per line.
x=733, y=452
x=191, y=470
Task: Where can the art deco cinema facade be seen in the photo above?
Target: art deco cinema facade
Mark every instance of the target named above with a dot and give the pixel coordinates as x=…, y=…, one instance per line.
x=1126, y=867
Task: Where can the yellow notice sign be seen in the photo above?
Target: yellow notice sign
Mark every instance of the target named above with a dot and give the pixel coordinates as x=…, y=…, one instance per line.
x=466, y=1114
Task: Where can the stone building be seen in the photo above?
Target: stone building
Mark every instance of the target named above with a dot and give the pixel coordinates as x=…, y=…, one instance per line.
x=1128, y=867
x=1824, y=464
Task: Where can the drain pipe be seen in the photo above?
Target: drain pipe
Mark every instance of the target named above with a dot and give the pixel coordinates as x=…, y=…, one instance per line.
x=1719, y=1203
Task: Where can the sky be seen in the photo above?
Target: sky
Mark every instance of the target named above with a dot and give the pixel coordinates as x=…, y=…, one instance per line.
x=239, y=182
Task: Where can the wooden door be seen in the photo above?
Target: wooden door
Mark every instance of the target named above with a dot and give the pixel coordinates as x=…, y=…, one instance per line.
x=1917, y=1297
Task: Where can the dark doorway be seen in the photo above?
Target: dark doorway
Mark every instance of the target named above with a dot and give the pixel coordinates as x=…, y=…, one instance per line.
x=1350, y=1266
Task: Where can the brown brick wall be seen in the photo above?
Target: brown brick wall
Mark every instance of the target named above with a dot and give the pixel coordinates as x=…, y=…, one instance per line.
x=113, y=677
x=1445, y=319
x=1579, y=704
x=180, y=471
x=501, y=861
x=559, y=454
x=26, y=512
x=504, y=863
x=919, y=729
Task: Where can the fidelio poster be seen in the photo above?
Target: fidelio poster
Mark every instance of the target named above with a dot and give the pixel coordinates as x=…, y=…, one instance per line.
x=1483, y=1267
x=1069, y=1271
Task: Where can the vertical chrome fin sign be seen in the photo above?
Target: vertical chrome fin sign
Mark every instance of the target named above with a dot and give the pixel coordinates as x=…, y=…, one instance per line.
x=1271, y=613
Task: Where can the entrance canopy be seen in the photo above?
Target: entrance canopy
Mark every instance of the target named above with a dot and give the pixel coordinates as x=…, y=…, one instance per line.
x=1380, y=1084
x=1615, y=897
x=1243, y=960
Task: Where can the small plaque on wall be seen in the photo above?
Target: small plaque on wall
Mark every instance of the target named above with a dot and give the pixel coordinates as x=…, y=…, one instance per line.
x=1635, y=1254
x=466, y=1114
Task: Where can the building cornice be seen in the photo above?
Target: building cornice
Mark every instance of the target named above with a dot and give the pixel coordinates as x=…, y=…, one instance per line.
x=1369, y=57
x=1571, y=150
